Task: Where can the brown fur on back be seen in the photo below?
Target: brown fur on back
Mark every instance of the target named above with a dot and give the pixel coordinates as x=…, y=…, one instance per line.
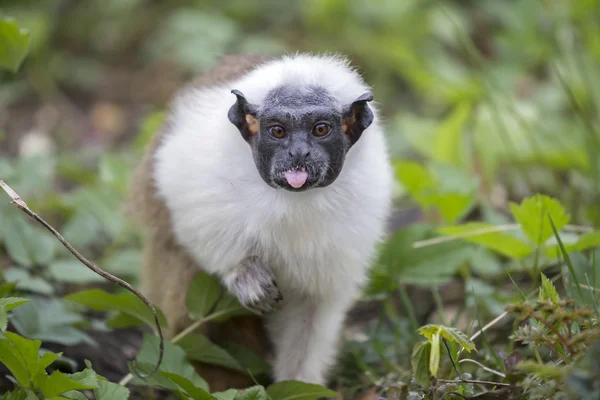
x=167, y=268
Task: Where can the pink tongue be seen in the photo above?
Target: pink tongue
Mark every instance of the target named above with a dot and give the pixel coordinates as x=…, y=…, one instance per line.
x=296, y=178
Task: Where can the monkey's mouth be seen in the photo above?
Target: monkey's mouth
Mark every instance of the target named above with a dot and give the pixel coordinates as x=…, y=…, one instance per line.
x=296, y=177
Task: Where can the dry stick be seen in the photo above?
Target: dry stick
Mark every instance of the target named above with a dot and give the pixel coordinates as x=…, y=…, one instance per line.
x=18, y=201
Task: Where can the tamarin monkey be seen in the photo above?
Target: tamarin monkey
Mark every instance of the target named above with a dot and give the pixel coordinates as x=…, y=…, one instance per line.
x=274, y=176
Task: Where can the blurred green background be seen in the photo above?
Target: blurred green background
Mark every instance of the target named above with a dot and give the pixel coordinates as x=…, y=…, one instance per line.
x=484, y=102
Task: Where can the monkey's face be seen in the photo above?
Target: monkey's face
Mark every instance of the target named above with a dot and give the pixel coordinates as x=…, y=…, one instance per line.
x=299, y=135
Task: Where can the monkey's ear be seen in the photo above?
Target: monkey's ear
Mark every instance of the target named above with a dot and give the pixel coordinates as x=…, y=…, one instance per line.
x=357, y=117
x=243, y=115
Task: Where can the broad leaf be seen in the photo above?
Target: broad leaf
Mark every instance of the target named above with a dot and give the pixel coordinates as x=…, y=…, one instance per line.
x=203, y=293
x=400, y=261
x=126, y=302
x=15, y=44
x=72, y=271
x=3, y=319
x=254, y=393
x=249, y=360
x=50, y=320
x=198, y=347
x=230, y=394
x=296, y=390
x=58, y=383
x=188, y=387
x=449, y=333
x=26, y=244
x=27, y=282
x=532, y=214
x=588, y=241
x=174, y=361
x=11, y=302
x=446, y=188
x=110, y=391
x=13, y=360
x=483, y=234
x=420, y=363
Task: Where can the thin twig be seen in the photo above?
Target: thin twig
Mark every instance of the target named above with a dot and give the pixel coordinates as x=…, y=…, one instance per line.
x=475, y=382
x=19, y=203
x=491, y=229
x=488, y=369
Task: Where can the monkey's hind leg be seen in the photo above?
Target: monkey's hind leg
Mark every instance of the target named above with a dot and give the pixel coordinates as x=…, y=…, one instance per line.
x=306, y=335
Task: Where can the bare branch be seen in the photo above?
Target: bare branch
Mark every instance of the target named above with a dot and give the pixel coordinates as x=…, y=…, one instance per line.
x=19, y=203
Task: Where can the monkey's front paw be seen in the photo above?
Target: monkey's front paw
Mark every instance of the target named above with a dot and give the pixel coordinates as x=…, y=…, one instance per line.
x=254, y=285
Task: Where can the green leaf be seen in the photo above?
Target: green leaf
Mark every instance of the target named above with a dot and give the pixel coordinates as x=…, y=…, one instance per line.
x=110, y=391
x=203, y=293
x=50, y=320
x=588, y=241
x=11, y=302
x=122, y=320
x=548, y=291
x=11, y=358
x=449, y=333
x=28, y=349
x=500, y=242
x=174, y=361
x=448, y=189
x=72, y=271
x=27, y=282
x=7, y=289
x=420, y=363
x=532, y=215
x=230, y=394
x=58, y=383
x=434, y=357
x=400, y=261
x=3, y=319
x=188, y=387
x=14, y=44
x=26, y=244
x=249, y=360
x=74, y=395
x=11, y=355
x=448, y=145
x=457, y=336
x=229, y=306
x=126, y=302
x=254, y=393
x=124, y=263
x=198, y=347
x=86, y=377
x=296, y=390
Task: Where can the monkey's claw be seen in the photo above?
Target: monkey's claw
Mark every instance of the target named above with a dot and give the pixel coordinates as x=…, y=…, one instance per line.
x=255, y=286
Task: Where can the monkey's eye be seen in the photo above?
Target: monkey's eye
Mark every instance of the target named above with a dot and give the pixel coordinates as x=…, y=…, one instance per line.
x=321, y=129
x=277, y=131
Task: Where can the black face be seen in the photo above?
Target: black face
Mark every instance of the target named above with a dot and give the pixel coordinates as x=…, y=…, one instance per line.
x=300, y=135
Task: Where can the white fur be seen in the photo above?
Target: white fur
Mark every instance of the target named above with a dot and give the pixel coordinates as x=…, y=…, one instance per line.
x=319, y=242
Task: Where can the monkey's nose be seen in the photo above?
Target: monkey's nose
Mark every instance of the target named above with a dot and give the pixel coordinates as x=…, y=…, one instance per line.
x=299, y=153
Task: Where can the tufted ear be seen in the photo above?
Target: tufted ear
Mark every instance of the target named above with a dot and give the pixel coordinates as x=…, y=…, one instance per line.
x=356, y=117
x=243, y=115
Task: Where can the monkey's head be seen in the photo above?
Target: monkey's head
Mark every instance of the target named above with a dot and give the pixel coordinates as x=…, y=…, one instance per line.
x=299, y=136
